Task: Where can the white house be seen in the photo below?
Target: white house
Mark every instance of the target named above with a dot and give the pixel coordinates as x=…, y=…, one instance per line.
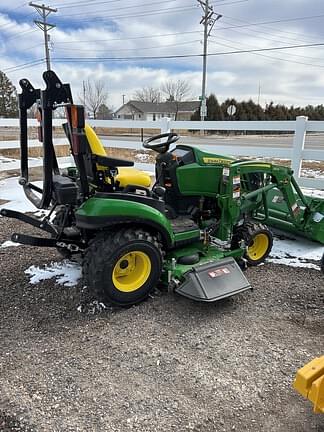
x=137, y=110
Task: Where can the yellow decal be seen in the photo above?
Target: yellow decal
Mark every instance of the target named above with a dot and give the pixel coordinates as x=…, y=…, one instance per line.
x=216, y=161
x=261, y=165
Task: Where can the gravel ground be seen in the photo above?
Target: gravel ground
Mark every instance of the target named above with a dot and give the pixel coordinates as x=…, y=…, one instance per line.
x=166, y=365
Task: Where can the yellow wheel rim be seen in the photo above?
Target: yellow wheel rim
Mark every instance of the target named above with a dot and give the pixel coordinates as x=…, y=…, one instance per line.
x=131, y=271
x=258, y=247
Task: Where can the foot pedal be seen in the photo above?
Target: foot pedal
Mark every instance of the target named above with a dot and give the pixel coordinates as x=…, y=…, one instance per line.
x=214, y=281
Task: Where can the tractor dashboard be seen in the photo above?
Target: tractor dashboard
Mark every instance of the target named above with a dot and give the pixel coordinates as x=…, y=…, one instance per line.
x=185, y=155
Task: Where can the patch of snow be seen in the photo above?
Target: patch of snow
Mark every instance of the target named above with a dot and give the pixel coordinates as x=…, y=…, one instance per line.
x=312, y=173
x=9, y=243
x=296, y=252
x=142, y=157
x=10, y=190
x=92, y=308
x=5, y=160
x=66, y=273
x=313, y=193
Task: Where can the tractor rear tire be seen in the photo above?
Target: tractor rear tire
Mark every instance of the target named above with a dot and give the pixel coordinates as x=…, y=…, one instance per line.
x=123, y=267
x=259, y=241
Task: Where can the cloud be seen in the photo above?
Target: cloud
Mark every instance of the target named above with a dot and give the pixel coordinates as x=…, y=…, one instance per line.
x=290, y=76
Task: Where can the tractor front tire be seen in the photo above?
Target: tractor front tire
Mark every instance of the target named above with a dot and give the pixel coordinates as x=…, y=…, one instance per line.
x=259, y=241
x=123, y=267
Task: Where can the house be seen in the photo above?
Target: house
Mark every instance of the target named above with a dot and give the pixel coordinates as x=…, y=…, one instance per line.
x=137, y=110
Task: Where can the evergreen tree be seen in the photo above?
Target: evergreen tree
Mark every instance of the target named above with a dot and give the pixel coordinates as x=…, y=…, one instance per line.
x=249, y=110
x=104, y=113
x=214, y=110
x=8, y=97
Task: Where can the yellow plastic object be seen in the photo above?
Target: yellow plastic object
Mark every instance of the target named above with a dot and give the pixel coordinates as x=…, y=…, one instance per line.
x=94, y=142
x=125, y=176
x=309, y=382
x=133, y=176
x=259, y=247
x=131, y=271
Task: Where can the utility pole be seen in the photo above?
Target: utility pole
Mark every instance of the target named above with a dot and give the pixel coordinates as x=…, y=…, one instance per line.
x=84, y=92
x=44, y=11
x=259, y=94
x=208, y=20
x=123, y=99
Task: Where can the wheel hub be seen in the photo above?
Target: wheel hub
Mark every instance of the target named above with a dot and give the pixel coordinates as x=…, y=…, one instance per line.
x=131, y=271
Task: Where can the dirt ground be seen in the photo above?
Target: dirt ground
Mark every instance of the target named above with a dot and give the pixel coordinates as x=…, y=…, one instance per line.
x=166, y=365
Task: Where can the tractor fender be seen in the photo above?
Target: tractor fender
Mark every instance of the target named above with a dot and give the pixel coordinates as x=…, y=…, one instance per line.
x=103, y=213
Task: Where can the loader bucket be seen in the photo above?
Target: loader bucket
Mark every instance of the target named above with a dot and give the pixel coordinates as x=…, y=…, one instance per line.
x=213, y=281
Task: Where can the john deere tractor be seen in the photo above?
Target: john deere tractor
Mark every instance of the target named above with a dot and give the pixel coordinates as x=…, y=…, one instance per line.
x=192, y=230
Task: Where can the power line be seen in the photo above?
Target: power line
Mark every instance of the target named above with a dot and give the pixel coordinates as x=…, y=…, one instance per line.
x=149, y=13
x=128, y=49
x=293, y=55
x=271, y=57
x=95, y=13
x=272, y=38
x=84, y=3
x=118, y=9
x=24, y=65
x=271, y=28
x=131, y=38
x=95, y=59
x=9, y=25
x=17, y=35
x=273, y=22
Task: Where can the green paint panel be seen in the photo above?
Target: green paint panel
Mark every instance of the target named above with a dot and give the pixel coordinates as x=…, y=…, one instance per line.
x=206, y=255
x=110, y=207
x=195, y=179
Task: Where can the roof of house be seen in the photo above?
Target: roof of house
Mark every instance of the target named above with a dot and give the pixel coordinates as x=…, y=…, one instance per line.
x=163, y=107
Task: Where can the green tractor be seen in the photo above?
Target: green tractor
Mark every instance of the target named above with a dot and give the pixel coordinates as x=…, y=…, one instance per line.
x=192, y=231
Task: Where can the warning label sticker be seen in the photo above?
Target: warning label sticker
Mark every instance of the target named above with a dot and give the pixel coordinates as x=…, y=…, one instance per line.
x=295, y=209
x=219, y=272
x=277, y=199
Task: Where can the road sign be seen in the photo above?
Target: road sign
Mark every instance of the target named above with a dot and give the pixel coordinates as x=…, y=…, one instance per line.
x=203, y=108
x=231, y=110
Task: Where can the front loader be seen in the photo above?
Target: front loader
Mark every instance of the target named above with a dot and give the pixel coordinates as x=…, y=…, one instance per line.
x=192, y=231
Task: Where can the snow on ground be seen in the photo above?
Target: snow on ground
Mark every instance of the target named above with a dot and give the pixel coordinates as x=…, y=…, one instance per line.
x=11, y=191
x=296, y=252
x=66, y=273
x=9, y=243
x=313, y=193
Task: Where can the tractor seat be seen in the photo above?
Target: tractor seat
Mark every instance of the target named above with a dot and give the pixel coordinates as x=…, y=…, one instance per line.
x=126, y=176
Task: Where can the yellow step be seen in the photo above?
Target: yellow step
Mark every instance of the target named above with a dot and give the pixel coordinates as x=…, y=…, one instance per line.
x=309, y=382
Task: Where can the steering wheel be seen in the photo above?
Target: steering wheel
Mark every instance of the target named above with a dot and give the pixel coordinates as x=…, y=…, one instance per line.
x=164, y=146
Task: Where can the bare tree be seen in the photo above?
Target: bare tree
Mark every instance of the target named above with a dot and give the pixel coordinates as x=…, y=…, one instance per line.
x=147, y=94
x=94, y=95
x=175, y=92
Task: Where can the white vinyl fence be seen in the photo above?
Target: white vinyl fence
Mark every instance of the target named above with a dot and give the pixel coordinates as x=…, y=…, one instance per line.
x=296, y=152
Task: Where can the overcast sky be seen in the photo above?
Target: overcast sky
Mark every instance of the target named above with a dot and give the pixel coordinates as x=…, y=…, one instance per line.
x=130, y=28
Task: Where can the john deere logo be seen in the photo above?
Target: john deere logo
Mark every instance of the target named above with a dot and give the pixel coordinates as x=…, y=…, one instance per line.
x=216, y=161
